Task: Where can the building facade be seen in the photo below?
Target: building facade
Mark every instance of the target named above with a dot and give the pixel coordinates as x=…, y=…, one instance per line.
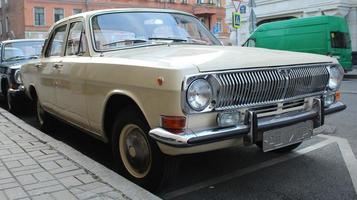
x=32, y=18
x=273, y=10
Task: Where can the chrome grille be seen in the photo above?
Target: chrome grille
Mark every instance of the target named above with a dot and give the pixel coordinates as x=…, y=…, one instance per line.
x=248, y=88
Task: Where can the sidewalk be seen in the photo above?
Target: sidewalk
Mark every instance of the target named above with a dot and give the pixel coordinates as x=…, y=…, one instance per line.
x=352, y=74
x=36, y=166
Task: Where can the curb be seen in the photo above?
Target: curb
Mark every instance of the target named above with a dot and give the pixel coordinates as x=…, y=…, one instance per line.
x=129, y=189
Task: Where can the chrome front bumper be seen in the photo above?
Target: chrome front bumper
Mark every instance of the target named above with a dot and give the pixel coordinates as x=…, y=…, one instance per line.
x=207, y=140
x=20, y=89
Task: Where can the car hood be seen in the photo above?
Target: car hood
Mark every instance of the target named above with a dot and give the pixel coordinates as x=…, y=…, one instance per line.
x=15, y=64
x=216, y=58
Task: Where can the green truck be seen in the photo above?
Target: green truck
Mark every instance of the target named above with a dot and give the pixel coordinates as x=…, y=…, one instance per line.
x=326, y=35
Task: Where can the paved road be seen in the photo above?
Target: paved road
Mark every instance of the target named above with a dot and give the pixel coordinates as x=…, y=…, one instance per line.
x=322, y=168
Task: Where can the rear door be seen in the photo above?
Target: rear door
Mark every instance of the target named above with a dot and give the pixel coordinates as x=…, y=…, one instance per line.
x=71, y=76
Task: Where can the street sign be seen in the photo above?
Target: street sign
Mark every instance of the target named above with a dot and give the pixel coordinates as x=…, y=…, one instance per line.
x=236, y=20
x=216, y=29
x=243, y=9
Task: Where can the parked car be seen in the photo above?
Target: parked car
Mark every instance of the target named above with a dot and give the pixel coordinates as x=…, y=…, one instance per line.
x=156, y=84
x=325, y=35
x=13, y=54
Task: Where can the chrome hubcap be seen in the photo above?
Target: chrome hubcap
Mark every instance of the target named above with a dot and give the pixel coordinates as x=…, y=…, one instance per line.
x=135, y=151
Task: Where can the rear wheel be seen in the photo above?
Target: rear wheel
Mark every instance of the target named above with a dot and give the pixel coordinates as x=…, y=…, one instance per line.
x=136, y=155
x=44, y=119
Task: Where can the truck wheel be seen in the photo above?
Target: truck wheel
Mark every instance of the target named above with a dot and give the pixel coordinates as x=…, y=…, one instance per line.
x=12, y=105
x=283, y=149
x=136, y=155
x=44, y=119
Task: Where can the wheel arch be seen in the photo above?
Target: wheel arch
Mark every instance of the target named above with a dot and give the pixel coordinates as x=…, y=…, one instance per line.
x=114, y=103
x=32, y=93
x=4, y=85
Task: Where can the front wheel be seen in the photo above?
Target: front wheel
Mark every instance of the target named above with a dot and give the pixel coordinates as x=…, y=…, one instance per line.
x=12, y=105
x=136, y=155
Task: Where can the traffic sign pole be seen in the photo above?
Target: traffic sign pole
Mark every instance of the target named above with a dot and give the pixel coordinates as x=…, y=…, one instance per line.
x=233, y=18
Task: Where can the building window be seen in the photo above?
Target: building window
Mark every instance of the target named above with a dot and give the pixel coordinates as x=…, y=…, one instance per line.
x=184, y=1
x=58, y=14
x=77, y=11
x=39, y=16
x=218, y=3
x=200, y=1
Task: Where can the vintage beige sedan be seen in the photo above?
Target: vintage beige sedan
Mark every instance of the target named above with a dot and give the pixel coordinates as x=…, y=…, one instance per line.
x=156, y=83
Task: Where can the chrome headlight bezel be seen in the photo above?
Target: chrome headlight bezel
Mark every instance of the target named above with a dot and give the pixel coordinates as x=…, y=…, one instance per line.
x=199, y=94
x=188, y=83
x=336, y=73
x=17, y=77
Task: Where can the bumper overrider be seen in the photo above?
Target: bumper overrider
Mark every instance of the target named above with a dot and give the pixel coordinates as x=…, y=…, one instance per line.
x=247, y=133
x=18, y=94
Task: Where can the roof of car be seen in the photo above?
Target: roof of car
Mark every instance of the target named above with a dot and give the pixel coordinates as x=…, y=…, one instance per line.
x=96, y=12
x=22, y=40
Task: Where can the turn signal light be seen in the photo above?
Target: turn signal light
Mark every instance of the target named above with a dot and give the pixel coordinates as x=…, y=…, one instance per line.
x=174, y=124
x=338, y=96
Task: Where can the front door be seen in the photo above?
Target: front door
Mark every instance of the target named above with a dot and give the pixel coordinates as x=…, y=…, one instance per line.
x=48, y=69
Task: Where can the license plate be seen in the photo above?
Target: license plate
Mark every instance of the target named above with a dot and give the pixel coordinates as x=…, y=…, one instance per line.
x=285, y=136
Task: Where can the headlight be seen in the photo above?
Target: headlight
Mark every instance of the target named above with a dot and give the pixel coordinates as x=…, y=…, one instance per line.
x=17, y=77
x=199, y=94
x=336, y=76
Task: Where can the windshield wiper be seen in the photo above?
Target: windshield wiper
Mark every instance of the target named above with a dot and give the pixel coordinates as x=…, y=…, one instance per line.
x=15, y=58
x=168, y=38
x=129, y=40
x=33, y=57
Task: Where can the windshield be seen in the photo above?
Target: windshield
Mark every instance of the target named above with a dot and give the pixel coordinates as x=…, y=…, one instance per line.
x=121, y=30
x=340, y=40
x=22, y=50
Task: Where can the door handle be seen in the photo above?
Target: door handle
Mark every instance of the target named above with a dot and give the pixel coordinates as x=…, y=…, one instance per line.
x=38, y=66
x=57, y=65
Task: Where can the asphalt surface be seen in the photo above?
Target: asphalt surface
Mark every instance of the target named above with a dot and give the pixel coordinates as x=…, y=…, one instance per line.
x=318, y=169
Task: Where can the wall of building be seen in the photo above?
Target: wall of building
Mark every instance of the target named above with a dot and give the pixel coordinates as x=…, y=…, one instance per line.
x=15, y=16
x=27, y=28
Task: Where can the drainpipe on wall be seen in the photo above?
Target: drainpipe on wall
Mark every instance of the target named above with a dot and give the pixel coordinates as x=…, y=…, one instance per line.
x=3, y=20
x=86, y=5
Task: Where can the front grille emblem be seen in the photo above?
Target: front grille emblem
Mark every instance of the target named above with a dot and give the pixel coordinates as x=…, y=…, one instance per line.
x=284, y=72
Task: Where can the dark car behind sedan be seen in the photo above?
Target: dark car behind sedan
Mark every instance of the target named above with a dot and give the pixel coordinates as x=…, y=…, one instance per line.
x=13, y=54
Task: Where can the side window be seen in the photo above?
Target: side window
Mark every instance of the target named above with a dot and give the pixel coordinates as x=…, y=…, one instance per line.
x=55, y=45
x=76, y=44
